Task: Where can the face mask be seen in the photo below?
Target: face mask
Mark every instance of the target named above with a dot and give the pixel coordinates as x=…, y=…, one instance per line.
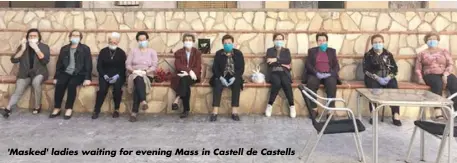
x=432, y=43
x=323, y=47
x=75, y=40
x=378, y=46
x=228, y=47
x=33, y=40
x=188, y=44
x=143, y=44
x=279, y=43
x=112, y=47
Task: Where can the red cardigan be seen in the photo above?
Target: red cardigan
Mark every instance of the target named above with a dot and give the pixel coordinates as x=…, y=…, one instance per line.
x=182, y=65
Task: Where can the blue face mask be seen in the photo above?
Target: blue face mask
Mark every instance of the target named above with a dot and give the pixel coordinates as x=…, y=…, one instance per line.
x=228, y=47
x=143, y=44
x=432, y=43
x=378, y=46
x=74, y=40
x=279, y=43
x=323, y=47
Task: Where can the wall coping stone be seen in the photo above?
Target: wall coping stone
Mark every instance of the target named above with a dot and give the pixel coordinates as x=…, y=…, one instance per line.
x=233, y=10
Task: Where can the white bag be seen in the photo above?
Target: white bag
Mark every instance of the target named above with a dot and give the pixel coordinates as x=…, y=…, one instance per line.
x=257, y=76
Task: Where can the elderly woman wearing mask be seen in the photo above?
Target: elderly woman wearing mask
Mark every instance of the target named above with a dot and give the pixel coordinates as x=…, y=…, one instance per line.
x=141, y=64
x=321, y=67
x=434, y=67
x=188, y=69
x=278, y=60
x=111, y=71
x=32, y=56
x=73, y=68
x=380, y=69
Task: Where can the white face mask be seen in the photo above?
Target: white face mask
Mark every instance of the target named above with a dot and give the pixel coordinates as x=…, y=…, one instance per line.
x=188, y=44
x=112, y=47
x=33, y=40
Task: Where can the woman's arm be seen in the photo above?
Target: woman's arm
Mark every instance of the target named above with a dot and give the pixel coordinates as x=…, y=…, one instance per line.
x=46, y=52
x=240, y=70
x=418, y=65
x=287, y=59
x=394, y=67
x=215, y=68
x=449, y=63
x=155, y=60
x=59, y=64
x=197, y=67
x=129, y=61
x=308, y=64
x=336, y=65
x=88, y=64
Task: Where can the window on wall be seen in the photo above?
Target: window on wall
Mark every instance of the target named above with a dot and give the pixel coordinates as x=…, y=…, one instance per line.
x=127, y=3
x=407, y=4
x=317, y=4
x=207, y=4
x=45, y=4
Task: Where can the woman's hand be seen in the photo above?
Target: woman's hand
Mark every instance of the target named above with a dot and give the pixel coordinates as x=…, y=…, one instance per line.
x=86, y=82
x=444, y=78
x=271, y=60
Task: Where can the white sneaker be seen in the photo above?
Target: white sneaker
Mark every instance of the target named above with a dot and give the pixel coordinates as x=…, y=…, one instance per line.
x=293, y=114
x=268, y=110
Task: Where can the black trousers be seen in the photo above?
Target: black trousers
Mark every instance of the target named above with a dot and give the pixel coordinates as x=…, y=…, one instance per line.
x=371, y=83
x=139, y=93
x=103, y=87
x=279, y=79
x=436, y=84
x=236, y=90
x=66, y=81
x=329, y=85
x=184, y=91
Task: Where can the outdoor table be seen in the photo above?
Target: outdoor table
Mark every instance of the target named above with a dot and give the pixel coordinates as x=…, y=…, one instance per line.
x=403, y=97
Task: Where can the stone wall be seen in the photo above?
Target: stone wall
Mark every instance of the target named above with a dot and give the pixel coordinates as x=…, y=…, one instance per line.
x=349, y=32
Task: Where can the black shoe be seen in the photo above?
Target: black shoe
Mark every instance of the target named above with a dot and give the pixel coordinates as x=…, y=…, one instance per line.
x=314, y=113
x=68, y=117
x=116, y=114
x=133, y=118
x=396, y=122
x=95, y=115
x=174, y=106
x=213, y=117
x=6, y=113
x=184, y=114
x=370, y=121
x=36, y=110
x=235, y=117
x=54, y=115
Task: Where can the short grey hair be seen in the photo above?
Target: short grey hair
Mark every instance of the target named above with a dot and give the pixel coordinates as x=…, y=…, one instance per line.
x=114, y=35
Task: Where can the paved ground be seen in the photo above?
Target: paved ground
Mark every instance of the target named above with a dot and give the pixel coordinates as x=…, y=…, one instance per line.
x=168, y=132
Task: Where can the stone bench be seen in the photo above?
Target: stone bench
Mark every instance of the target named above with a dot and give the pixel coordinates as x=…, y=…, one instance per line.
x=253, y=98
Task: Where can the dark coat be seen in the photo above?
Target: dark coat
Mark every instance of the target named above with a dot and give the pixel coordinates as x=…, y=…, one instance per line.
x=83, y=61
x=220, y=61
x=371, y=62
x=195, y=64
x=39, y=65
x=111, y=67
x=310, y=64
x=284, y=58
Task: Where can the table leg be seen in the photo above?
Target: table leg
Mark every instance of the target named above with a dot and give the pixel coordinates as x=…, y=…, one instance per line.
x=451, y=136
x=357, y=106
x=375, y=131
x=422, y=134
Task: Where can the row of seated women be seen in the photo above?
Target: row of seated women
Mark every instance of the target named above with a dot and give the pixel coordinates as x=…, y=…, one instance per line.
x=434, y=66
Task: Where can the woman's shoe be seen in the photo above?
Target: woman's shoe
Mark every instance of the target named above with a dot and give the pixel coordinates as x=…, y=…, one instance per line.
x=36, y=110
x=174, y=106
x=184, y=114
x=6, y=112
x=116, y=114
x=235, y=117
x=396, y=122
x=144, y=106
x=54, y=115
x=95, y=115
x=314, y=113
x=213, y=117
x=133, y=118
x=66, y=116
